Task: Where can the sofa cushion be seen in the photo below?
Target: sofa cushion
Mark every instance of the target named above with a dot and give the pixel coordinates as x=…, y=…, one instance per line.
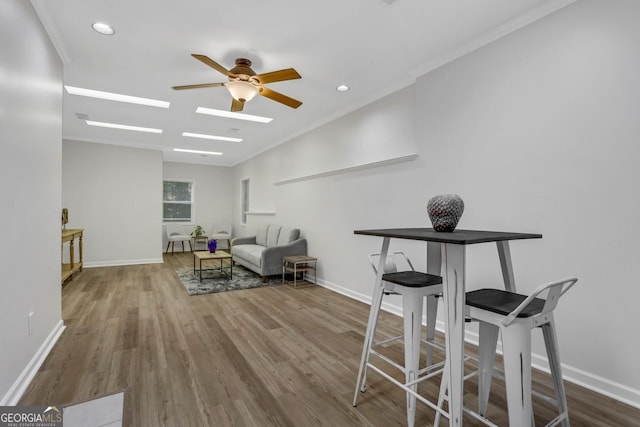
x=272, y=235
x=250, y=253
x=288, y=235
x=261, y=235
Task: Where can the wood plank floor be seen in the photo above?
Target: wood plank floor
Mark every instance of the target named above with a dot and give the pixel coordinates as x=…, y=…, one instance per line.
x=272, y=356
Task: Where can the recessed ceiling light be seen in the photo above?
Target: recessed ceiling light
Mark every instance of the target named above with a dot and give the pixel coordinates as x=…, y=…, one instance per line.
x=217, y=138
x=232, y=115
x=124, y=127
x=103, y=28
x=342, y=88
x=116, y=97
x=184, y=150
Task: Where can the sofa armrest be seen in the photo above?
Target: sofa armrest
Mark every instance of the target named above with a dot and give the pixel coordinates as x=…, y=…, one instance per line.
x=272, y=257
x=243, y=241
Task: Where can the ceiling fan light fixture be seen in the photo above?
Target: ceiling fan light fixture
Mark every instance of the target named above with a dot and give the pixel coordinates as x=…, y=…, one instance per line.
x=241, y=91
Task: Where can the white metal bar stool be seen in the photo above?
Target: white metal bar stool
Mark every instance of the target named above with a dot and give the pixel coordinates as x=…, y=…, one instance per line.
x=413, y=286
x=515, y=316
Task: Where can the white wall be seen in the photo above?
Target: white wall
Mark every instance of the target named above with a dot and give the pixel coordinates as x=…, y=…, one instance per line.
x=212, y=194
x=544, y=127
x=538, y=132
x=115, y=194
x=377, y=132
x=30, y=152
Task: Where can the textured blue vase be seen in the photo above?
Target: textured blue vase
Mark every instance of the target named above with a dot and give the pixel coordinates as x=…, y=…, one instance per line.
x=445, y=211
x=212, y=244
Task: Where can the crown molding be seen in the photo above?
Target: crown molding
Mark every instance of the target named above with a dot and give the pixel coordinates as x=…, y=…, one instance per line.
x=42, y=10
x=492, y=35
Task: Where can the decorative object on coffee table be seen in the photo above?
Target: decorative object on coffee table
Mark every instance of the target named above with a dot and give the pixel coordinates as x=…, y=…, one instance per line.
x=212, y=244
x=222, y=233
x=445, y=211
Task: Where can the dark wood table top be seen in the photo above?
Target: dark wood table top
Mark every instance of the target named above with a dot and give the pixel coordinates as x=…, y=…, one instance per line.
x=458, y=237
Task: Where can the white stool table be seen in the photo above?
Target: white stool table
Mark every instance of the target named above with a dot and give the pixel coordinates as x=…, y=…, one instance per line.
x=446, y=257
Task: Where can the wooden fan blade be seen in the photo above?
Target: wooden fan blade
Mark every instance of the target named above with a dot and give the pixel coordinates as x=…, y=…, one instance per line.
x=278, y=97
x=213, y=64
x=197, y=86
x=278, y=76
x=236, y=105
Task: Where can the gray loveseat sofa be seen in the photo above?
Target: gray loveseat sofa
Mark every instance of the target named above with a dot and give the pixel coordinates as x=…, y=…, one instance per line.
x=263, y=252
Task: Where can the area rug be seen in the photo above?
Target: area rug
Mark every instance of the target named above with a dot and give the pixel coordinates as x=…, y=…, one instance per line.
x=242, y=279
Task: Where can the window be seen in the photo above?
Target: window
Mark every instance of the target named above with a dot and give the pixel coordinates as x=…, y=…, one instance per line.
x=177, y=201
x=245, y=200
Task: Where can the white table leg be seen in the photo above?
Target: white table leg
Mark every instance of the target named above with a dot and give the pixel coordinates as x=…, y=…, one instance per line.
x=434, y=258
x=434, y=266
x=505, y=264
x=454, y=260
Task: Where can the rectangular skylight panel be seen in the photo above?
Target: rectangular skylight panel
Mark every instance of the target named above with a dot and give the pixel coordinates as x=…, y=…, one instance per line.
x=184, y=150
x=124, y=127
x=214, y=137
x=116, y=97
x=233, y=115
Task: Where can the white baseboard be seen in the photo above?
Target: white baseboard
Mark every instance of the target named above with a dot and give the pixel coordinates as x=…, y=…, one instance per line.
x=17, y=389
x=118, y=263
x=604, y=386
x=598, y=384
x=588, y=380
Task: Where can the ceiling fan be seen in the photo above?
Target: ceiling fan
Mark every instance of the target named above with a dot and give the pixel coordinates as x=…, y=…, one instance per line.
x=244, y=83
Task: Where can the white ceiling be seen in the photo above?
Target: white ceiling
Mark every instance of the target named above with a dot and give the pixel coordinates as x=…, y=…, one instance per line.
x=374, y=46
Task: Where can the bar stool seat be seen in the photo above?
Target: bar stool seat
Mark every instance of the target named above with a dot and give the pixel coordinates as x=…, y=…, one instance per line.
x=514, y=316
x=412, y=279
x=503, y=302
x=413, y=286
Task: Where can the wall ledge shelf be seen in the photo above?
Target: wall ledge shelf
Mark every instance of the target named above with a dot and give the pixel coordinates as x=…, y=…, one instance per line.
x=260, y=213
x=348, y=169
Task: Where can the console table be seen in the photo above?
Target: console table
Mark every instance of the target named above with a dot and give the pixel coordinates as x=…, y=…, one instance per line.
x=70, y=235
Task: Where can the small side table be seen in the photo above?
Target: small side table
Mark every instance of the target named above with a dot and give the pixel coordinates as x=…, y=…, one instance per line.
x=200, y=239
x=299, y=264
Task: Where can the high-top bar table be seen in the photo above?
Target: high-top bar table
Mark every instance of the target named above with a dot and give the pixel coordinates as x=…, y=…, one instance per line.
x=446, y=257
